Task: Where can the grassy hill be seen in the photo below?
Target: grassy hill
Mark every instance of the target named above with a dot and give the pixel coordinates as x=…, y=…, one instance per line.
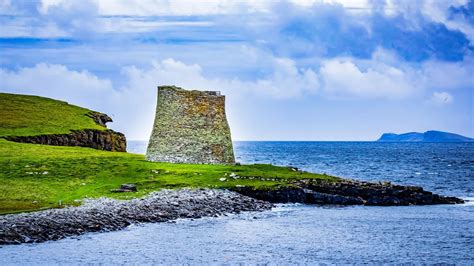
x=25, y=115
x=34, y=177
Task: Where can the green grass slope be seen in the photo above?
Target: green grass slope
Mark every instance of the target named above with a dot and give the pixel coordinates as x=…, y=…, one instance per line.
x=39, y=176
x=25, y=115
x=34, y=177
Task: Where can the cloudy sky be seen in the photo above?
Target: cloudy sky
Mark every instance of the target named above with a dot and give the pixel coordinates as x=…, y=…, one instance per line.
x=297, y=70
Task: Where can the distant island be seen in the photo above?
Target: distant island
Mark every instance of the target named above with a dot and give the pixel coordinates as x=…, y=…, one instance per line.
x=428, y=136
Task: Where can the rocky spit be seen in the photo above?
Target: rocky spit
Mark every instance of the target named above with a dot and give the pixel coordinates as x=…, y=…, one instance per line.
x=348, y=192
x=104, y=214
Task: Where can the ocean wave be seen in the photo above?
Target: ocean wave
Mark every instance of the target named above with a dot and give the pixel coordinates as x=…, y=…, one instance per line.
x=468, y=201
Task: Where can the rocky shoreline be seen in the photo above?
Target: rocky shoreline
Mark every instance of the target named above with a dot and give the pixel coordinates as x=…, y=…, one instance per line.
x=101, y=215
x=348, y=192
x=104, y=214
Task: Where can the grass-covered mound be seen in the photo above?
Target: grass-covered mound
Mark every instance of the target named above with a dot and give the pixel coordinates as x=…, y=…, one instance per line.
x=36, y=176
x=25, y=115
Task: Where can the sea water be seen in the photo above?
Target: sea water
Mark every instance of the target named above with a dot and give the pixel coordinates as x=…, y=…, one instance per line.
x=297, y=233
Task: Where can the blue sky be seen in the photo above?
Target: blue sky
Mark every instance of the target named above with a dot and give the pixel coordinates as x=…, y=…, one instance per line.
x=295, y=70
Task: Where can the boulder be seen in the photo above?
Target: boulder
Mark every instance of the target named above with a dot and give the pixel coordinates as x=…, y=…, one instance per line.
x=126, y=188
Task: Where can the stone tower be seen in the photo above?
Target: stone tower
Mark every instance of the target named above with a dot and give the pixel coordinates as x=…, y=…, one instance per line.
x=190, y=127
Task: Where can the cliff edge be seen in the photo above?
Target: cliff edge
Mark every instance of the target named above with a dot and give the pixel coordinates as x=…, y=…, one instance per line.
x=39, y=120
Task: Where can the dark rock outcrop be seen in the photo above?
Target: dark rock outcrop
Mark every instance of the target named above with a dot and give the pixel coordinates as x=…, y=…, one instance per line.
x=126, y=188
x=108, y=140
x=385, y=194
x=348, y=192
x=314, y=197
x=100, y=118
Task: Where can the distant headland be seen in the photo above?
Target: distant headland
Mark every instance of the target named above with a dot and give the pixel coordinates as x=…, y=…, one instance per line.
x=428, y=136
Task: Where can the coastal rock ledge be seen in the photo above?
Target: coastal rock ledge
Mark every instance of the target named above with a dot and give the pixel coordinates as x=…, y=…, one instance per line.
x=348, y=192
x=107, y=140
x=104, y=214
x=100, y=139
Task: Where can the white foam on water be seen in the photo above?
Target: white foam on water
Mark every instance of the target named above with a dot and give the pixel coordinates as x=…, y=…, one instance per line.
x=468, y=201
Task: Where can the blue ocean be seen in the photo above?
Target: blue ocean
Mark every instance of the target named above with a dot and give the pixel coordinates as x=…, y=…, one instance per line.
x=294, y=233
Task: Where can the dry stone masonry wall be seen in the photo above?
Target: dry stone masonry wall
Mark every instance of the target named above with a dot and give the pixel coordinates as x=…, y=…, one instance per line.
x=190, y=127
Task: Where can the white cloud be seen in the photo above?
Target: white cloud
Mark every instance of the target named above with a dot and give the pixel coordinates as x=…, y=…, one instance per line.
x=437, y=11
x=441, y=98
x=386, y=76
x=209, y=7
x=177, y=7
x=47, y=4
x=138, y=24
x=138, y=7
x=21, y=27
x=284, y=81
x=81, y=87
x=342, y=77
x=66, y=18
x=83, y=18
x=448, y=75
x=50, y=18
